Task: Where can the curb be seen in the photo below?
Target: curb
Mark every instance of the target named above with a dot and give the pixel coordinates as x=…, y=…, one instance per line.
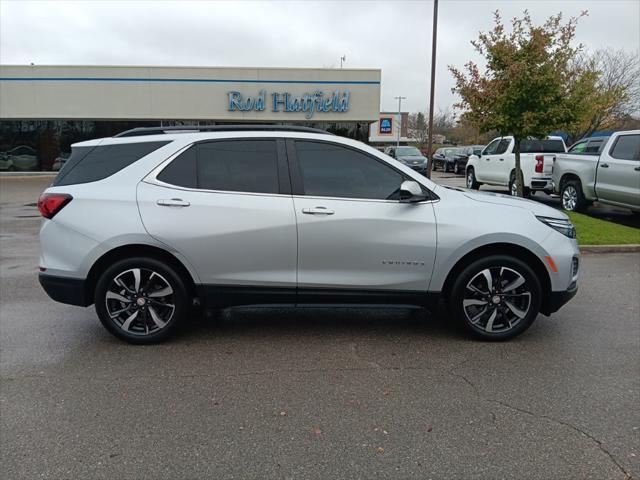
x=631, y=248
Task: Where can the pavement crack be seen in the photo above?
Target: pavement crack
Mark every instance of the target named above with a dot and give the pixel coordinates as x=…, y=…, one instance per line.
x=597, y=442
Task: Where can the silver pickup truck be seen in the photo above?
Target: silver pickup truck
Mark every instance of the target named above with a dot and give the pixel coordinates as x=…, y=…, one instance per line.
x=603, y=169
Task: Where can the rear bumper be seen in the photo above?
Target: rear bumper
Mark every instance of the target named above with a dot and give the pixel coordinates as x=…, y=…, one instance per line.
x=557, y=300
x=71, y=291
x=541, y=184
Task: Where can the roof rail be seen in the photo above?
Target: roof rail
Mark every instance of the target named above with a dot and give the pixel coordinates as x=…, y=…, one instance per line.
x=134, y=132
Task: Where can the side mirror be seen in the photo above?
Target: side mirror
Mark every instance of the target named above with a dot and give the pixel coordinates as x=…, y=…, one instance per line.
x=411, y=192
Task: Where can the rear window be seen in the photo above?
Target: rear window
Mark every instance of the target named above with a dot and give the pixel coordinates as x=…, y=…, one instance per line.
x=541, y=146
x=627, y=147
x=90, y=164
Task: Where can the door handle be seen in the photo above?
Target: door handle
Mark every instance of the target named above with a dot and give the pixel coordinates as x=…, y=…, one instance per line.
x=604, y=165
x=637, y=169
x=173, y=202
x=502, y=159
x=317, y=211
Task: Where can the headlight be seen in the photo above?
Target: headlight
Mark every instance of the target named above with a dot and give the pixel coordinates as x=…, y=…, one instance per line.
x=565, y=227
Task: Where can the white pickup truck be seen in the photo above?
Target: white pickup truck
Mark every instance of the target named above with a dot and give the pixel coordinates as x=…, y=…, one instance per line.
x=606, y=169
x=496, y=165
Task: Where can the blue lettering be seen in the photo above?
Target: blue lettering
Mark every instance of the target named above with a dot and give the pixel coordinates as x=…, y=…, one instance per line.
x=234, y=101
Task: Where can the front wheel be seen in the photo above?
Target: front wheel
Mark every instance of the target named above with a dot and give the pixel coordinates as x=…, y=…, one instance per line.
x=472, y=183
x=496, y=298
x=456, y=168
x=141, y=300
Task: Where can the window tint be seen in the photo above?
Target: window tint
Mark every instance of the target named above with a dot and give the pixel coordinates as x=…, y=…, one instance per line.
x=335, y=171
x=238, y=166
x=579, y=147
x=89, y=164
x=627, y=147
x=491, y=148
x=542, y=146
x=595, y=146
x=182, y=170
x=502, y=146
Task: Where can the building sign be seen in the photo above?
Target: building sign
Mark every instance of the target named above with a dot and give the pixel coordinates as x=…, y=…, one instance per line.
x=385, y=126
x=309, y=102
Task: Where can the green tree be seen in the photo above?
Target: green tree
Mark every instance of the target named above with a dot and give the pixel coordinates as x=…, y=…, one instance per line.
x=530, y=86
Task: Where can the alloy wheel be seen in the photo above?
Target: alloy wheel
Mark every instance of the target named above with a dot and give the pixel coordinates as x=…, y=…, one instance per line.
x=140, y=301
x=514, y=189
x=569, y=198
x=470, y=179
x=496, y=300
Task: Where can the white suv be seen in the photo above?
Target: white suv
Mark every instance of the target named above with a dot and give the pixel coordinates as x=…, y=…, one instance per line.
x=151, y=222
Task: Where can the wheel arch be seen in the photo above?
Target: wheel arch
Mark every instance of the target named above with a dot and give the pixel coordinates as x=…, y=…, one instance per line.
x=514, y=250
x=566, y=177
x=137, y=250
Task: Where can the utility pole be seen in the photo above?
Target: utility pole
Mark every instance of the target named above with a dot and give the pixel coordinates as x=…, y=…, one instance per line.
x=433, y=84
x=343, y=58
x=399, y=117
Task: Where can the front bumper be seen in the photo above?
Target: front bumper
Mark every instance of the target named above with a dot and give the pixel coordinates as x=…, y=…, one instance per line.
x=71, y=291
x=557, y=299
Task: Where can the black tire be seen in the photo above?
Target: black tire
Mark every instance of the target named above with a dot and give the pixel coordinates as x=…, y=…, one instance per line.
x=471, y=181
x=526, y=191
x=572, y=196
x=446, y=167
x=155, y=319
x=456, y=168
x=510, y=318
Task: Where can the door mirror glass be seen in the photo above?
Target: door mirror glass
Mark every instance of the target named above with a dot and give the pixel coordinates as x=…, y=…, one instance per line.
x=410, y=191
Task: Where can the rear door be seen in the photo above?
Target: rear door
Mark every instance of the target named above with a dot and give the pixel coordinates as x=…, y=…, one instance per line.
x=354, y=235
x=618, y=173
x=226, y=206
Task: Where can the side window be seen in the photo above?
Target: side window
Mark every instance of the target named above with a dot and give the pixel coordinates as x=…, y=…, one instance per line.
x=334, y=171
x=594, y=146
x=627, y=147
x=238, y=166
x=102, y=161
x=491, y=148
x=182, y=170
x=502, y=146
x=579, y=147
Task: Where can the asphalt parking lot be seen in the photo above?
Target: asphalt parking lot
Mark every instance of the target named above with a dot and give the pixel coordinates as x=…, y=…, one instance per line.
x=349, y=393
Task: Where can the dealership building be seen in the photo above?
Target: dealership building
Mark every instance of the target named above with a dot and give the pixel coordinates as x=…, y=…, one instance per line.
x=45, y=109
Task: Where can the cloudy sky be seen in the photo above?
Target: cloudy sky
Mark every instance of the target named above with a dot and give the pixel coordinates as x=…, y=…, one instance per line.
x=391, y=35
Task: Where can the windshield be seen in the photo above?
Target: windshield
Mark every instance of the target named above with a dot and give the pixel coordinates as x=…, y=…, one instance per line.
x=408, y=151
x=544, y=146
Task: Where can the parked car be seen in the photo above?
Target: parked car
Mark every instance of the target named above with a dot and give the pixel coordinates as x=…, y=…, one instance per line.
x=253, y=215
x=440, y=157
x=496, y=164
x=606, y=169
x=21, y=158
x=6, y=164
x=461, y=157
x=410, y=156
x=59, y=162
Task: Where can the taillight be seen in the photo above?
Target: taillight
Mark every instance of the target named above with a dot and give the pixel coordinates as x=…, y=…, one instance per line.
x=539, y=163
x=51, y=203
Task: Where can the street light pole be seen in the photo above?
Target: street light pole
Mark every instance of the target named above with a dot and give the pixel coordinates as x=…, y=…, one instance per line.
x=433, y=83
x=399, y=117
x=343, y=58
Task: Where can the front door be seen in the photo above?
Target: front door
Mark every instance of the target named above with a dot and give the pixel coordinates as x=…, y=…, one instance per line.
x=355, y=238
x=223, y=206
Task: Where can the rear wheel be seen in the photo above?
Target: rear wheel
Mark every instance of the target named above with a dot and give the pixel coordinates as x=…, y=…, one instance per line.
x=456, y=168
x=471, y=179
x=141, y=300
x=571, y=196
x=513, y=188
x=496, y=298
